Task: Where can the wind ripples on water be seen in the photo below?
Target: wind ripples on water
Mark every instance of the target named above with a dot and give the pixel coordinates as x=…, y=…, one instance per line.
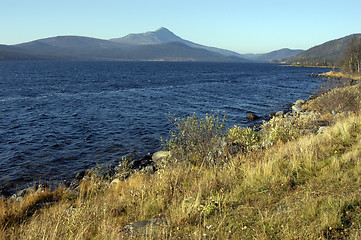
x=59, y=118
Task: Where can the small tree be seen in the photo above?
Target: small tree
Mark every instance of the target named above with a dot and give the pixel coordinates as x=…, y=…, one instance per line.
x=353, y=57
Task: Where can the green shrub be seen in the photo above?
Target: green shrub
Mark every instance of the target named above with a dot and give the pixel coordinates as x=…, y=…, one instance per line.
x=246, y=139
x=279, y=130
x=196, y=140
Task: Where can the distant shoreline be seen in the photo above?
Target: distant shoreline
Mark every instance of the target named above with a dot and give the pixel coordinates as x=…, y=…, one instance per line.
x=310, y=66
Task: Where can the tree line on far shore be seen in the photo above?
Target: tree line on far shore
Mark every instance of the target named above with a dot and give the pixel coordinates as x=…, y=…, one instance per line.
x=352, y=62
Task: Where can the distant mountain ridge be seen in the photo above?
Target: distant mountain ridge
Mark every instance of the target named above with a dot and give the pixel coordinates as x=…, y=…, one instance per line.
x=161, y=45
x=330, y=53
x=164, y=45
x=66, y=46
x=278, y=55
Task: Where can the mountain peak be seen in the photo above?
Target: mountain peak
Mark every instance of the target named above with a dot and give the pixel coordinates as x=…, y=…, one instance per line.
x=161, y=35
x=164, y=35
x=162, y=29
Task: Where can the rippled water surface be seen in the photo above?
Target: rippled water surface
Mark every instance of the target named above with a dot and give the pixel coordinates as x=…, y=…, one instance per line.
x=58, y=118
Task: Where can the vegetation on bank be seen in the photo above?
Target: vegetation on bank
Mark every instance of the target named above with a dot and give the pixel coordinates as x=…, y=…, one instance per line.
x=341, y=75
x=351, y=66
x=352, y=61
x=289, y=180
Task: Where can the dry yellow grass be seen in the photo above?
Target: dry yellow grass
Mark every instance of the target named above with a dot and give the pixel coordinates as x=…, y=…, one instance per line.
x=336, y=103
x=343, y=75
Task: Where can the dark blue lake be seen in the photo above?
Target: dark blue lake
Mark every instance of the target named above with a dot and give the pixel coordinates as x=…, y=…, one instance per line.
x=58, y=118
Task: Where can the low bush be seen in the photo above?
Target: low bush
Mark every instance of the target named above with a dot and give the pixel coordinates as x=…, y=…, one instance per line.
x=280, y=129
x=196, y=140
x=204, y=141
x=246, y=139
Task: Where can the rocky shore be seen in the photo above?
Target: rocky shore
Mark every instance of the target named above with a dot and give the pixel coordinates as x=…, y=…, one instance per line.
x=348, y=78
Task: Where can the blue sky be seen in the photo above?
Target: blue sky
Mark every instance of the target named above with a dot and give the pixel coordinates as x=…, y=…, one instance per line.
x=252, y=26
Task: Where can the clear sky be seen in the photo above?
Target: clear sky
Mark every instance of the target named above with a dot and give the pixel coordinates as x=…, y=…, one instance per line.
x=250, y=26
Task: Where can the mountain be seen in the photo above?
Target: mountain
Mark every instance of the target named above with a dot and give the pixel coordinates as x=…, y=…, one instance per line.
x=74, y=47
x=278, y=55
x=86, y=48
x=329, y=53
x=163, y=35
x=176, y=51
x=161, y=45
x=12, y=53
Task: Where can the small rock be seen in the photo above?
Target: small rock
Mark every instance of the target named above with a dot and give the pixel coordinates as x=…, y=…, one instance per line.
x=296, y=109
x=21, y=193
x=300, y=102
x=252, y=116
x=17, y=197
x=161, y=156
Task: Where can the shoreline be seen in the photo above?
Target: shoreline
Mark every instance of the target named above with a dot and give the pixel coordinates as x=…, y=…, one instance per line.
x=340, y=75
x=309, y=66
